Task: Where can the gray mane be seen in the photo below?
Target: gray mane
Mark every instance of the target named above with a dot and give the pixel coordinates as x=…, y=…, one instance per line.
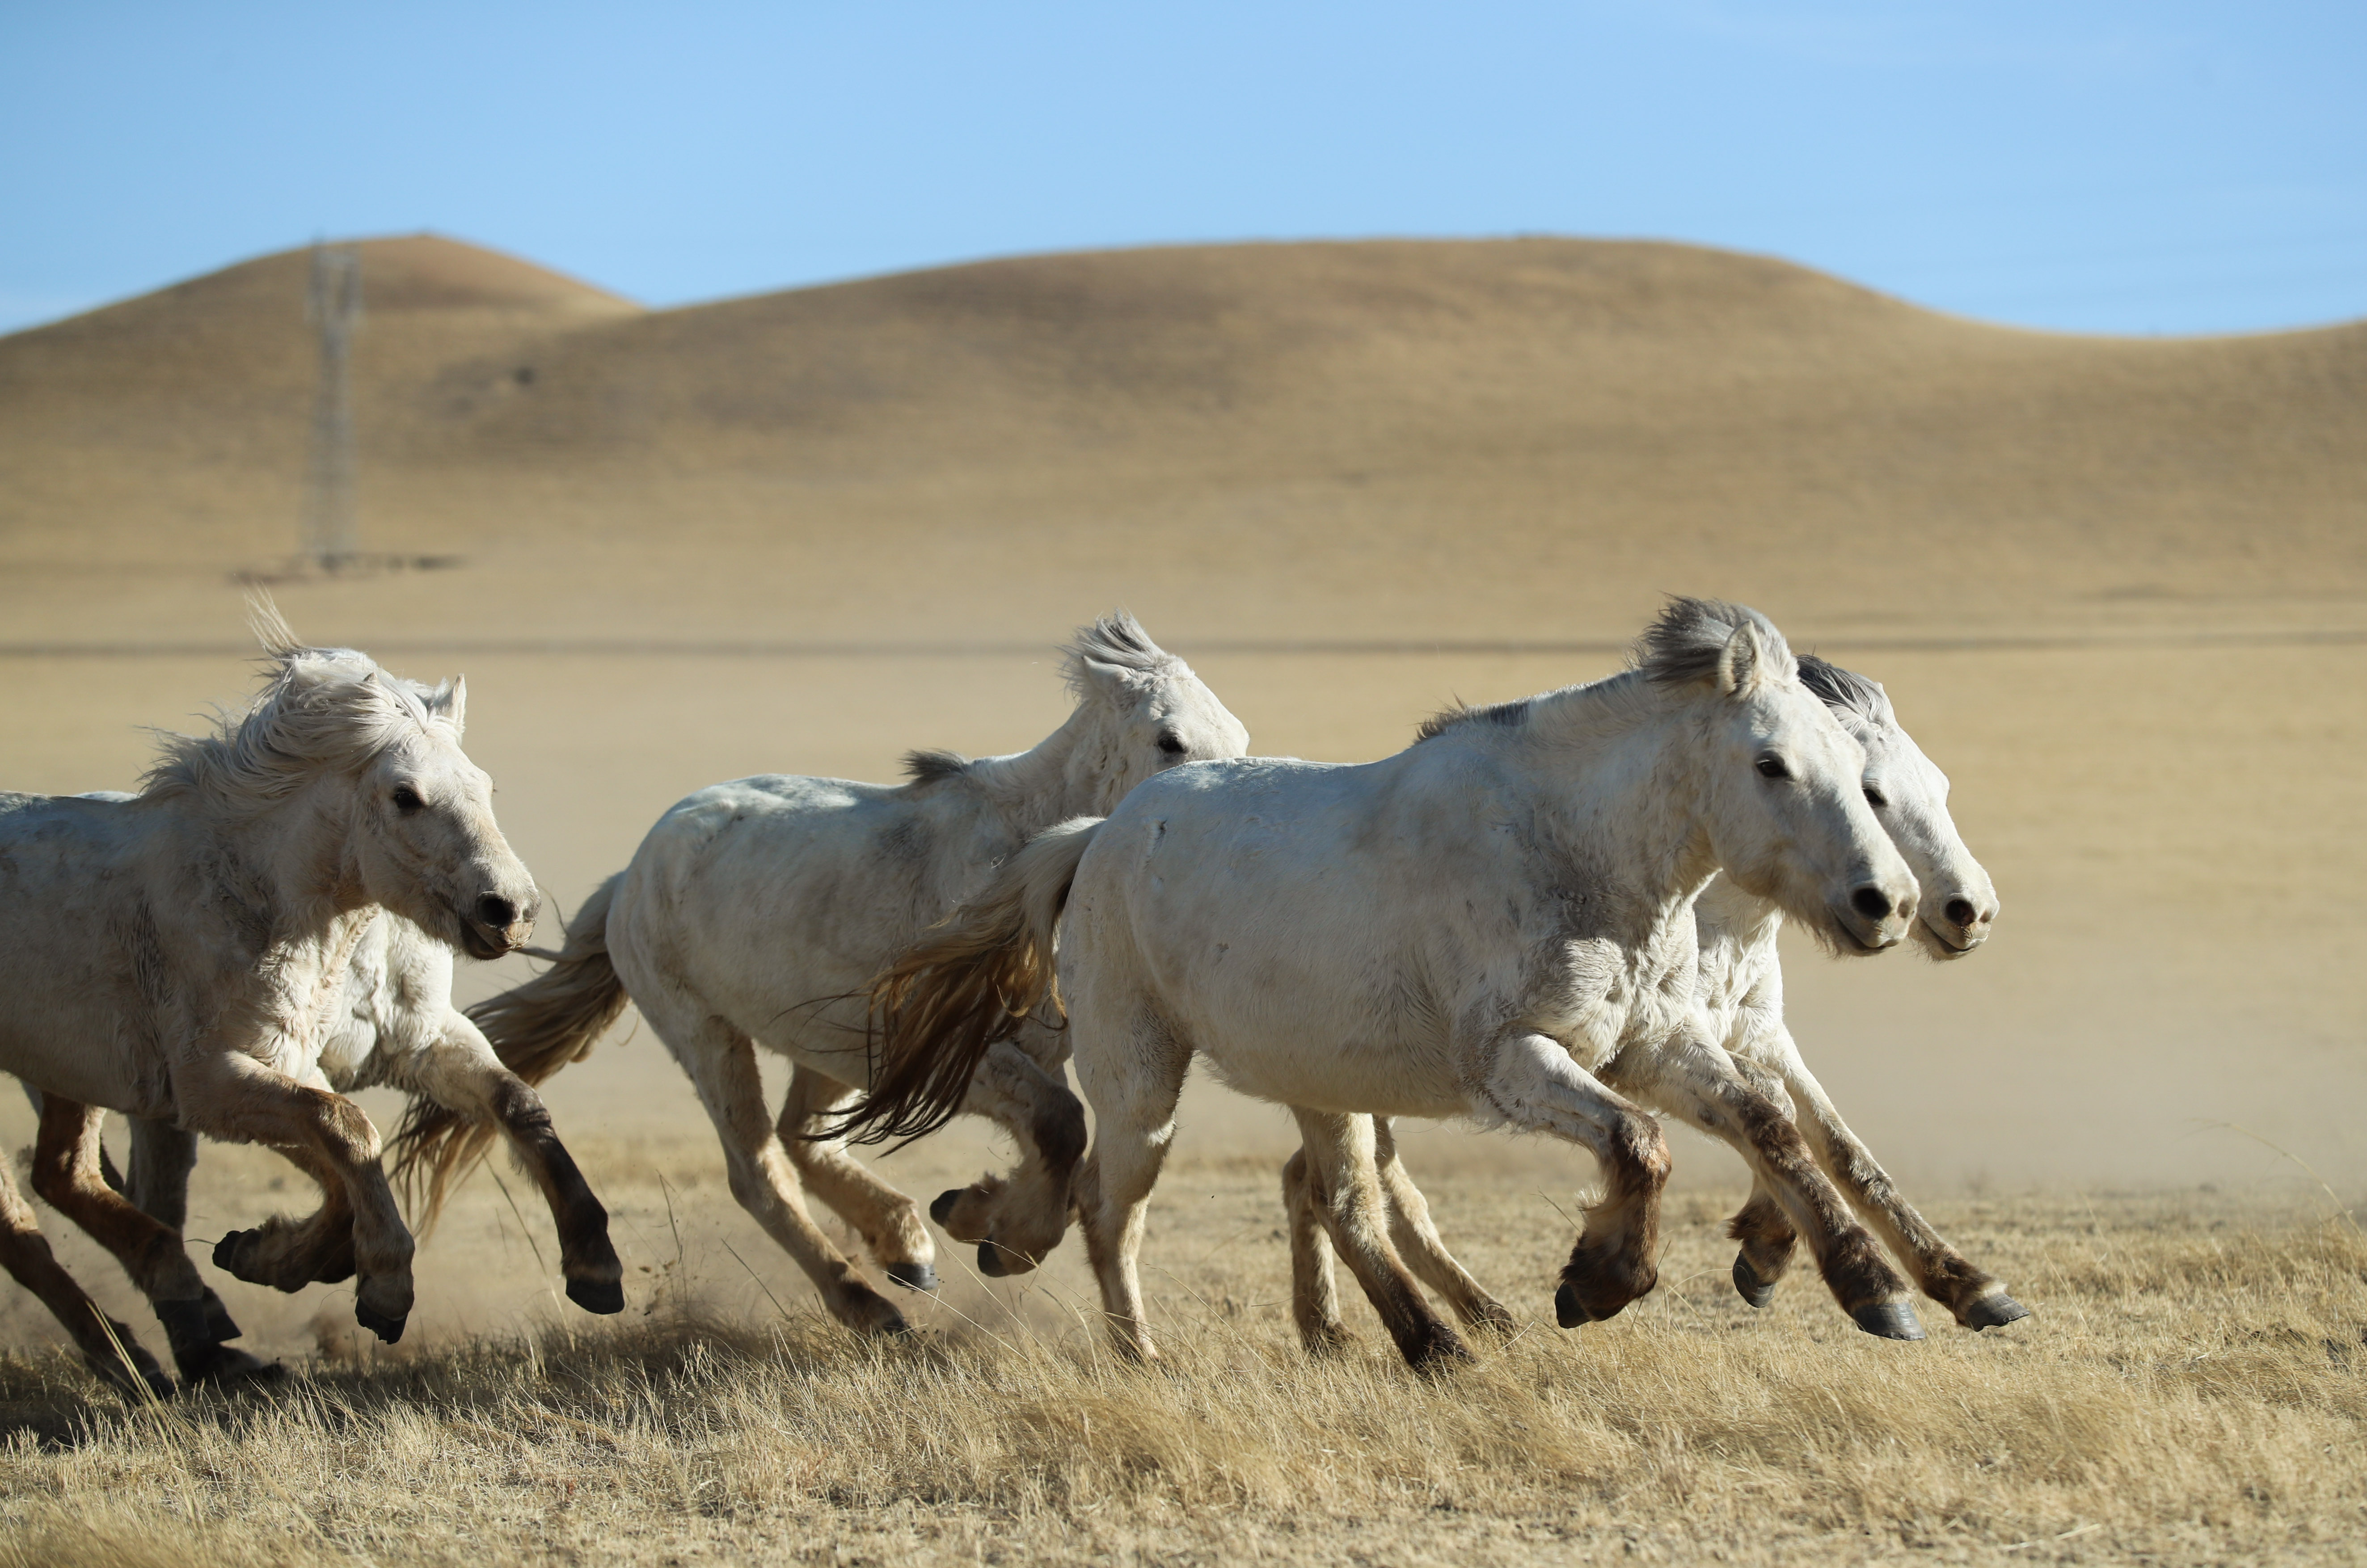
x=320, y=709
x=1119, y=639
x=1846, y=692
x=1683, y=645
x=934, y=764
x=1510, y=715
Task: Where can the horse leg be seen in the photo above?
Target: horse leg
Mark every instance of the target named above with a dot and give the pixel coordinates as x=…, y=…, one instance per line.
x=26, y=1254
x=1344, y=1189
x=1133, y=1096
x=889, y=1221
x=721, y=1062
x=67, y=1174
x=288, y=1254
x=1768, y=1242
x=1698, y=1083
x=157, y=1179
x=1018, y=1219
x=1417, y=1242
x=461, y=1073
x=1531, y=1082
x=234, y=1097
x=1314, y=1290
x=1977, y=1299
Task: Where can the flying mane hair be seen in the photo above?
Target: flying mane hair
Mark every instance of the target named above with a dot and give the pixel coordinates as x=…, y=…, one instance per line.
x=1116, y=638
x=1846, y=691
x=1682, y=645
x=319, y=707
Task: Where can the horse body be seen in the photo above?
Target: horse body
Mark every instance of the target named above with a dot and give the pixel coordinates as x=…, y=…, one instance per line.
x=177, y=955
x=1740, y=986
x=755, y=911
x=1496, y=923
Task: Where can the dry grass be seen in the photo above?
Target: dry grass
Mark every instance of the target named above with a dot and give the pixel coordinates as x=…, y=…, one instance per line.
x=2193, y=1389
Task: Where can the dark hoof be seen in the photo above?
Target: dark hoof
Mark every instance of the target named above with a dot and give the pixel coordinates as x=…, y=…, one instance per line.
x=1748, y=1283
x=941, y=1210
x=913, y=1276
x=386, y=1328
x=1994, y=1311
x=1891, y=1320
x=991, y=1262
x=230, y=1255
x=219, y=1324
x=602, y=1296
x=1495, y=1320
x=1441, y=1349
x=153, y=1384
x=1568, y=1311
x=229, y=1369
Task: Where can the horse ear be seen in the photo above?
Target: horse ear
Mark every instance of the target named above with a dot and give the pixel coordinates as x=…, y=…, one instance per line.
x=1742, y=662
x=449, y=702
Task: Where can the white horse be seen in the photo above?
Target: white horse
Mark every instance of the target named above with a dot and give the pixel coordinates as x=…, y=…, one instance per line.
x=1496, y=923
x=1740, y=984
x=755, y=912
x=394, y=1027
x=175, y=957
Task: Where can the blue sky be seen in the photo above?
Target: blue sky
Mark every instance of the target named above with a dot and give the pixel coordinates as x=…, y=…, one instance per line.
x=2096, y=167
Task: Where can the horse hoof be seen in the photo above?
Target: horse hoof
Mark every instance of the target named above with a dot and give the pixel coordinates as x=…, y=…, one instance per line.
x=1993, y=1311
x=1757, y=1292
x=602, y=1296
x=941, y=1210
x=219, y=1323
x=387, y=1326
x=1494, y=1319
x=153, y=1384
x=230, y=1255
x=913, y=1276
x=231, y=1369
x=1890, y=1320
x=1568, y=1311
x=990, y=1262
x=1439, y=1349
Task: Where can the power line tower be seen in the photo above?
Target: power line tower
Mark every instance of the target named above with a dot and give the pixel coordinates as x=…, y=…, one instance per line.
x=333, y=307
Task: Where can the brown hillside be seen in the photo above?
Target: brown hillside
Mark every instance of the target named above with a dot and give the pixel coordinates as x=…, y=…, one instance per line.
x=1402, y=439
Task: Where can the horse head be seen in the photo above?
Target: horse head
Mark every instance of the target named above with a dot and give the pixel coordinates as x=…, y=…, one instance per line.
x=1909, y=796
x=1149, y=711
x=1786, y=805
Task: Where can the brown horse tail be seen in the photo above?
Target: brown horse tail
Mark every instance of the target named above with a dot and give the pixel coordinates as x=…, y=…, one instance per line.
x=536, y=1028
x=972, y=980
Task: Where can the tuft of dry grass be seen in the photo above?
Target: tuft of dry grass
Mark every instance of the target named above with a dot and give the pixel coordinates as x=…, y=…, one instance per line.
x=2194, y=1388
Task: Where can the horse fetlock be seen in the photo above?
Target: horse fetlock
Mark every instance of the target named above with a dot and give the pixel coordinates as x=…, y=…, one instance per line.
x=865, y=1311
x=1859, y=1275
x=188, y=1329
x=1433, y=1346
x=1490, y=1316
x=265, y=1256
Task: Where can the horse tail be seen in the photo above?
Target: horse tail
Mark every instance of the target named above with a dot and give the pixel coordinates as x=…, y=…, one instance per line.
x=979, y=975
x=536, y=1028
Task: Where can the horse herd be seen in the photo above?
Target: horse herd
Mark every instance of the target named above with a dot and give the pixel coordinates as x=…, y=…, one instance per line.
x=1556, y=915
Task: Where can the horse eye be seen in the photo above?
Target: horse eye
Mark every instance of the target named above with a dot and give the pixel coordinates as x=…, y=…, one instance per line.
x=406, y=799
x=1171, y=743
x=1876, y=798
x=1770, y=766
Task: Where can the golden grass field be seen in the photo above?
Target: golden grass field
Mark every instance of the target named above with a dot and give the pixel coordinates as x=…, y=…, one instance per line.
x=2118, y=589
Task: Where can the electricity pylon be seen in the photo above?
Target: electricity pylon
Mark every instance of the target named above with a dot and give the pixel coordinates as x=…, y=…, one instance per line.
x=333, y=307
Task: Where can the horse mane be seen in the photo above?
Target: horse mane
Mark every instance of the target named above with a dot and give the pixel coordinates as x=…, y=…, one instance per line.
x=318, y=708
x=1684, y=643
x=1510, y=715
x=1846, y=691
x=934, y=764
x=1116, y=638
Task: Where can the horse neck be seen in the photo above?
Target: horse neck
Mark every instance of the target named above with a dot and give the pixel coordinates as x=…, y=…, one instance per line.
x=288, y=868
x=1735, y=925
x=1612, y=765
x=1067, y=774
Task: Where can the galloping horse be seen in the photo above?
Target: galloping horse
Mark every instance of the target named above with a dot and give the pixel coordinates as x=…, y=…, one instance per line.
x=754, y=913
x=1496, y=923
x=174, y=956
x=1741, y=984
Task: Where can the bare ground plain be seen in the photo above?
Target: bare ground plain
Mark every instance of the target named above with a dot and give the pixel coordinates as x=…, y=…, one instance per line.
x=2118, y=588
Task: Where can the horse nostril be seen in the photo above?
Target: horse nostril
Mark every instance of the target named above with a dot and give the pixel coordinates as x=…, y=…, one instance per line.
x=496, y=911
x=1872, y=902
x=1962, y=912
